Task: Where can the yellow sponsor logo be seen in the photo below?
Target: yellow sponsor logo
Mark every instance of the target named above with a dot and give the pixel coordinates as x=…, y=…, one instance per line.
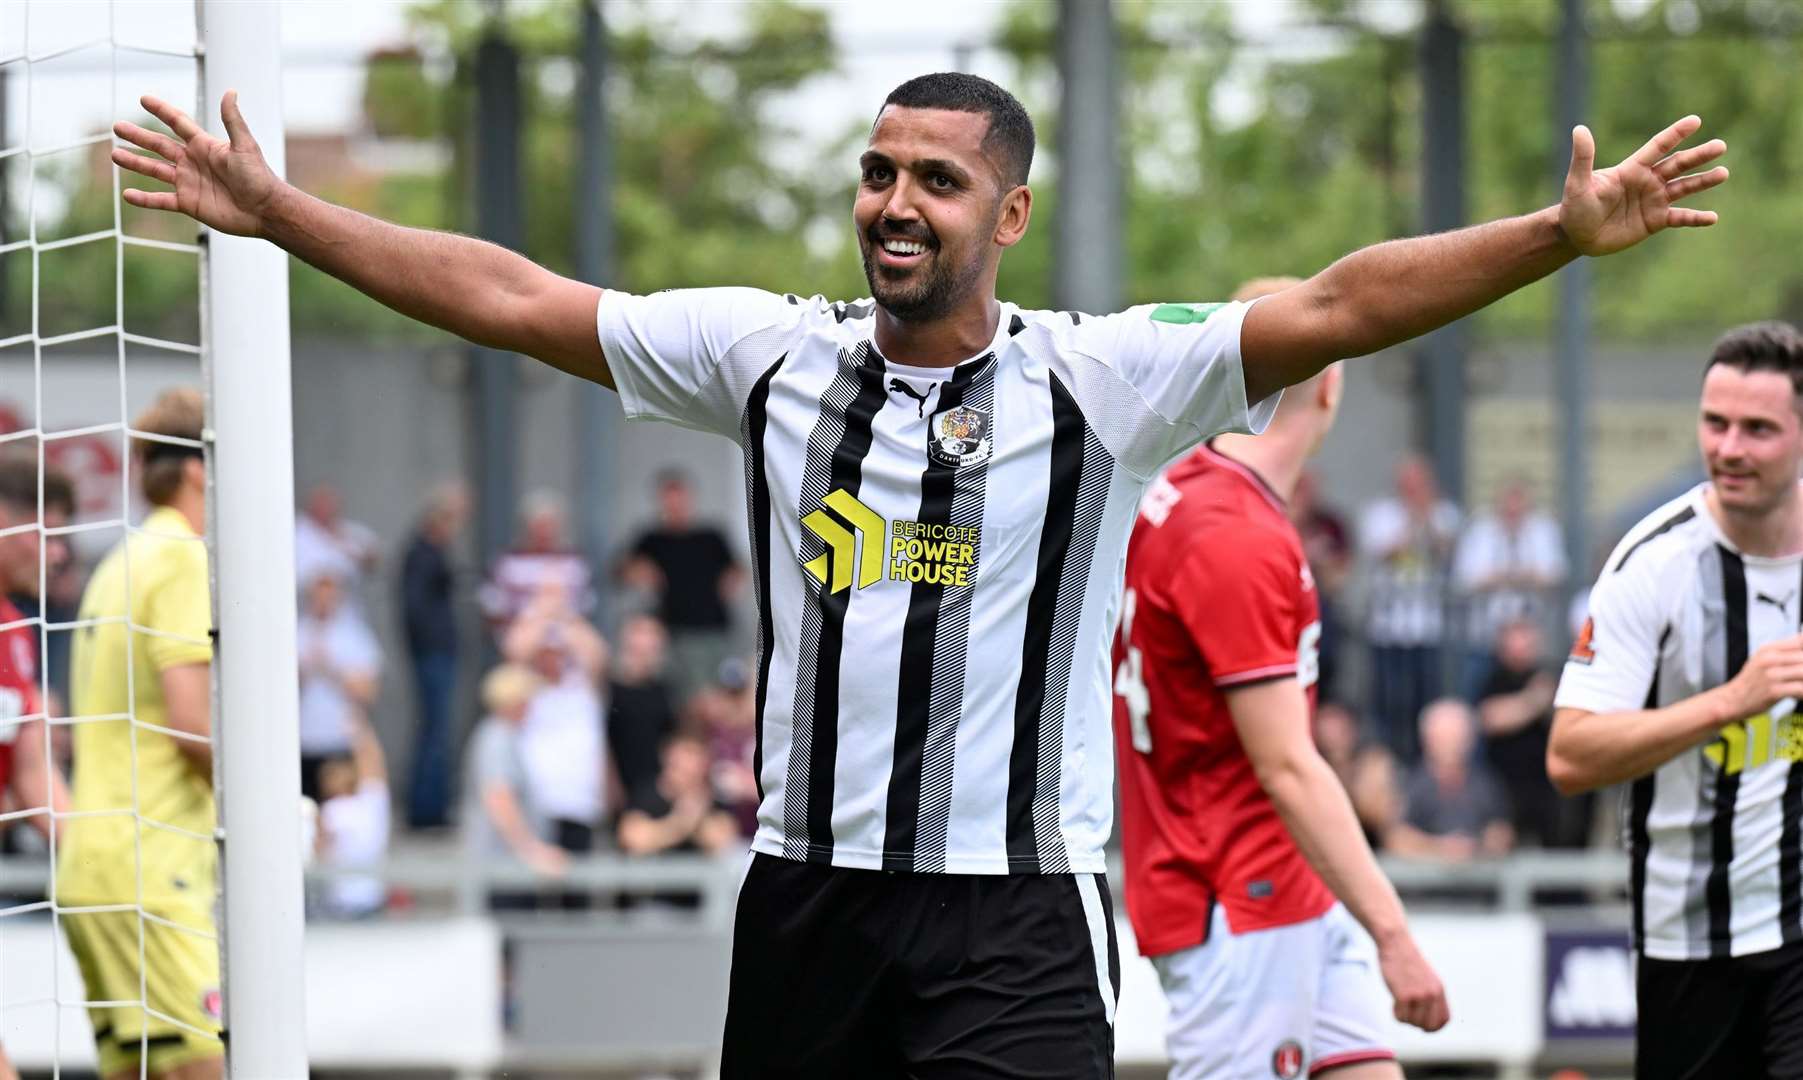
x=854, y=549
x=918, y=551
x=1756, y=741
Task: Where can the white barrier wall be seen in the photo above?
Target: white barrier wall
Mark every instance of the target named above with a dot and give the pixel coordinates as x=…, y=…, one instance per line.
x=423, y=993
x=388, y=994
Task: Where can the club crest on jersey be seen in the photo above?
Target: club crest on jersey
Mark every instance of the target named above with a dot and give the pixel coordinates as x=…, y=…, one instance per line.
x=959, y=436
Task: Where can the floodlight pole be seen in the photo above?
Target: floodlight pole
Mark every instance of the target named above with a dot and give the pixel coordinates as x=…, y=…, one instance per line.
x=1442, y=55
x=1087, y=239
x=495, y=375
x=1571, y=353
x=251, y=519
x=598, y=410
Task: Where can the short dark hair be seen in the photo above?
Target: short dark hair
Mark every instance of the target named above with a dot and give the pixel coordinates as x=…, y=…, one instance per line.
x=1010, y=134
x=19, y=485
x=1762, y=346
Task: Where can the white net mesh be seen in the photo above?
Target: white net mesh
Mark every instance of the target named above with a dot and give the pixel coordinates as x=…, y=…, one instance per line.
x=100, y=312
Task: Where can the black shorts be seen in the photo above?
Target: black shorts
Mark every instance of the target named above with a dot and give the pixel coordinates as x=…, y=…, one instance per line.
x=1738, y=1017
x=873, y=975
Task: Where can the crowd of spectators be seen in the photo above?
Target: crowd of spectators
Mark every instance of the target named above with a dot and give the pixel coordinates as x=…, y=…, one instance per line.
x=1436, y=679
x=564, y=705
x=636, y=740
x=1440, y=738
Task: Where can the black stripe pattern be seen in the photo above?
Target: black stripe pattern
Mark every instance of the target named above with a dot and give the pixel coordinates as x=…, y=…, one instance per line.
x=757, y=513
x=1665, y=526
x=1077, y=497
x=1640, y=805
x=837, y=446
x=1727, y=782
x=935, y=644
x=1790, y=843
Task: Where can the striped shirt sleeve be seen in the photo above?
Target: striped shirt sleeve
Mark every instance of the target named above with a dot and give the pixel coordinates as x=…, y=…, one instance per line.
x=669, y=353
x=1617, y=649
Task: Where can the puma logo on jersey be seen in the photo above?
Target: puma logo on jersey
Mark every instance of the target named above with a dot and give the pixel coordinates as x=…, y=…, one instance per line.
x=1783, y=605
x=896, y=385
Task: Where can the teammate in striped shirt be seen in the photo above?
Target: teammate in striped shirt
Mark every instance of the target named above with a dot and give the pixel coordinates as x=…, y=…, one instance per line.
x=1683, y=685
x=1238, y=842
x=940, y=487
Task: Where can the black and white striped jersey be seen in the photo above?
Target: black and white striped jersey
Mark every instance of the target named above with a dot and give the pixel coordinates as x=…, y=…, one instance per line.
x=937, y=555
x=1714, y=834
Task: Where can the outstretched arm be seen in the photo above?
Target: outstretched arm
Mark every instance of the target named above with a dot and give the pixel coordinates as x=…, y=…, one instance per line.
x=1388, y=293
x=477, y=290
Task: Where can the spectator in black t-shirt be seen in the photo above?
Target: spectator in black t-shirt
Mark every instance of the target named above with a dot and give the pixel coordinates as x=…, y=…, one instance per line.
x=640, y=713
x=693, y=574
x=679, y=812
x=428, y=583
x=1516, y=709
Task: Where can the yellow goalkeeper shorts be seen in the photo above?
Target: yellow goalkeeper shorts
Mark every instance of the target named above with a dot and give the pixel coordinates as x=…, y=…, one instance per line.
x=173, y=1015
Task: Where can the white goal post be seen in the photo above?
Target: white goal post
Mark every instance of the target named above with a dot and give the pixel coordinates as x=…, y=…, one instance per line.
x=257, y=758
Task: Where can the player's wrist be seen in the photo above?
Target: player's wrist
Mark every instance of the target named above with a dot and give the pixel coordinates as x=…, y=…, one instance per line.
x=274, y=219
x=1727, y=704
x=1392, y=937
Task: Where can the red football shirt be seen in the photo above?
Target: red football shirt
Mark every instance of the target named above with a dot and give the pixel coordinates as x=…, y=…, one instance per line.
x=18, y=682
x=1218, y=595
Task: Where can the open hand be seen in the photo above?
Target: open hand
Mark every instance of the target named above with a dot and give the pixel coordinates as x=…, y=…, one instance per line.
x=224, y=185
x=1607, y=211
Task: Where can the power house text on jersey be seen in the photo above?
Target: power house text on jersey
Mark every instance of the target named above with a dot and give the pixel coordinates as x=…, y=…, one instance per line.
x=1714, y=834
x=937, y=555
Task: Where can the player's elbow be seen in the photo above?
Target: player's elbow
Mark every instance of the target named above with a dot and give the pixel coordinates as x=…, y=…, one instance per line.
x=1567, y=775
x=1285, y=777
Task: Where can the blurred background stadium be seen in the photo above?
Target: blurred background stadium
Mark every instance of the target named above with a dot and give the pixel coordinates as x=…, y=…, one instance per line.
x=457, y=507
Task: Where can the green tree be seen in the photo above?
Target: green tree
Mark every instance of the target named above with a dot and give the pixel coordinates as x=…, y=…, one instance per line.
x=699, y=196
x=1244, y=160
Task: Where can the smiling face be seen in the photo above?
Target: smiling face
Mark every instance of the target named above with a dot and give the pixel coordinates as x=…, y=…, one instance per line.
x=933, y=211
x=1751, y=438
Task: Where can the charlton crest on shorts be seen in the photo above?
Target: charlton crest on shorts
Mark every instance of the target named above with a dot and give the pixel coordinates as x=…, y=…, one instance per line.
x=959, y=436
x=1286, y=1063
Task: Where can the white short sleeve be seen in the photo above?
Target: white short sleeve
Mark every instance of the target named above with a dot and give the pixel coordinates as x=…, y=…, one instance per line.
x=1184, y=362
x=1617, y=649
x=355, y=648
x=681, y=355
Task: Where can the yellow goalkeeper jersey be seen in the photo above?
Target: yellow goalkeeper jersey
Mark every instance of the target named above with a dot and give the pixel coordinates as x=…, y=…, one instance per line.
x=156, y=580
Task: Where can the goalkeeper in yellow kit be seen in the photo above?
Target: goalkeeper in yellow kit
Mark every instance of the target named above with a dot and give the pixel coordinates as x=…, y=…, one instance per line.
x=152, y=663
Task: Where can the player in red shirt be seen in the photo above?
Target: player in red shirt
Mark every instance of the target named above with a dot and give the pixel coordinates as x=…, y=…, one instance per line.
x=33, y=780
x=1237, y=835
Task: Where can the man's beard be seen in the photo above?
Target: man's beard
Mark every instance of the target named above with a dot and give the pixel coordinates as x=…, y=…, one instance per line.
x=926, y=293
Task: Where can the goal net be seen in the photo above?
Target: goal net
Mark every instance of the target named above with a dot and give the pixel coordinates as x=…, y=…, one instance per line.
x=103, y=309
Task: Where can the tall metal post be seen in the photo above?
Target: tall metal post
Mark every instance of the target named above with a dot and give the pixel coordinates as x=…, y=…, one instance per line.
x=1443, y=352
x=495, y=374
x=1087, y=239
x=596, y=430
x=1571, y=352
x=255, y=726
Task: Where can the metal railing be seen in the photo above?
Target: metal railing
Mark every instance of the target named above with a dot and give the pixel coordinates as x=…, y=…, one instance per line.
x=1521, y=881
